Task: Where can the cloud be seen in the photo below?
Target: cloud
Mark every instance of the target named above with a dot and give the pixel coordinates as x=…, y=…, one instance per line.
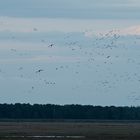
x=28, y=25
x=40, y=25
x=36, y=25
x=46, y=59
x=133, y=30
x=78, y=9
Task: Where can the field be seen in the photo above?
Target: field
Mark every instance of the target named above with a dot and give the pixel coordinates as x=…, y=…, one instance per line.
x=103, y=130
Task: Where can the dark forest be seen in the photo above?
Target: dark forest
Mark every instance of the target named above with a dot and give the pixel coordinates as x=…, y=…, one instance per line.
x=50, y=111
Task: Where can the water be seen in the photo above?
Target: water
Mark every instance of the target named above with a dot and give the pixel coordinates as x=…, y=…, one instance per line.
x=58, y=137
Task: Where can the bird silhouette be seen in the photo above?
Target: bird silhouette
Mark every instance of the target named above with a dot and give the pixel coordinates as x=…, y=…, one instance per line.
x=40, y=70
x=51, y=45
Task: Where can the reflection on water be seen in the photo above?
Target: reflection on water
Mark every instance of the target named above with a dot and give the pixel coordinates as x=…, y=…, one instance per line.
x=74, y=137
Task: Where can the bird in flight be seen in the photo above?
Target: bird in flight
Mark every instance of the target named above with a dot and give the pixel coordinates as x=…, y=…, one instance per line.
x=51, y=45
x=39, y=70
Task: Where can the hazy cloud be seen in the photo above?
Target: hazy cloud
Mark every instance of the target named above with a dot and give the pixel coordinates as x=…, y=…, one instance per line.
x=83, y=9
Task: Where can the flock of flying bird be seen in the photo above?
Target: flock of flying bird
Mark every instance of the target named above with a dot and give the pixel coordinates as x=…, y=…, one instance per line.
x=100, y=55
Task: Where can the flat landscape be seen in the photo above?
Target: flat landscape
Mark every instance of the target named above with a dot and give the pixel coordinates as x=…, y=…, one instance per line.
x=104, y=130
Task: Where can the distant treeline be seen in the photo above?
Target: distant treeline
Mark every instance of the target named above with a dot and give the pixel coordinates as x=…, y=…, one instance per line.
x=50, y=111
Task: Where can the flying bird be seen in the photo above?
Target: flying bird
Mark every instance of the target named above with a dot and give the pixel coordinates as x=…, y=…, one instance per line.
x=51, y=45
x=40, y=70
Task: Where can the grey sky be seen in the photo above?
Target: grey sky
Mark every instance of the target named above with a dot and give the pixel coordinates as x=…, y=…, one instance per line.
x=87, y=51
x=101, y=9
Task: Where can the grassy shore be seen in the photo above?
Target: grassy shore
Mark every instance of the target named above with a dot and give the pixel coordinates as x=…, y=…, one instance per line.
x=104, y=130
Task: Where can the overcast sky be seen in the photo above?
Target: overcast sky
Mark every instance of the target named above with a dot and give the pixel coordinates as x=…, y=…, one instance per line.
x=101, y=9
x=70, y=51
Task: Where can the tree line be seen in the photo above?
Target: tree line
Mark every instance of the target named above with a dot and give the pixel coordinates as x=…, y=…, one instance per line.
x=51, y=111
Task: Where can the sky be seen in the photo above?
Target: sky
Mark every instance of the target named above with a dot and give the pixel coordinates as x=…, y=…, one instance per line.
x=70, y=52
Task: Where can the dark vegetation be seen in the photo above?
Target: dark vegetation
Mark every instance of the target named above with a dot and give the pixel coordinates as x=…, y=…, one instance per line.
x=50, y=111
